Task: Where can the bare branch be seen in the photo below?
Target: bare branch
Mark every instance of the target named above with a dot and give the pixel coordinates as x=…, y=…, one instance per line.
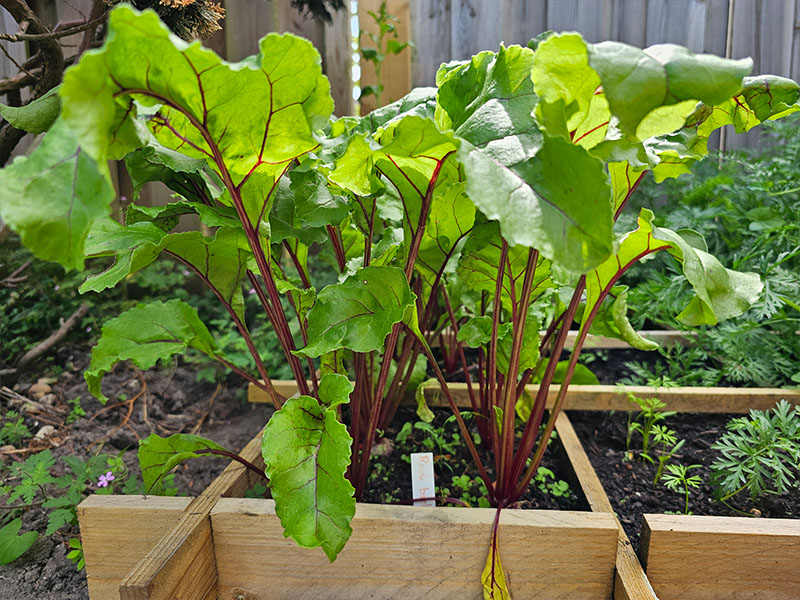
x=52, y=35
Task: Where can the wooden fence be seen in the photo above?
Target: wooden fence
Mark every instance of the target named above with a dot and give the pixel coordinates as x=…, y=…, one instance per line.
x=444, y=30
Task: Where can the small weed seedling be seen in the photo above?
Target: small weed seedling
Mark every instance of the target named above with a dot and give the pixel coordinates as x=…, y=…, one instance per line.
x=667, y=444
x=546, y=482
x=677, y=479
x=14, y=430
x=760, y=453
x=643, y=423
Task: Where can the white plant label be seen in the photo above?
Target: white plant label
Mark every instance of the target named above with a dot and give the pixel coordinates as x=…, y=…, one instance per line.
x=422, y=485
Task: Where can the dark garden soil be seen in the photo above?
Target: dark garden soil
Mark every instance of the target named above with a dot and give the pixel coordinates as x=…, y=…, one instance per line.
x=390, y=480
x=628, y=479
x=175, y=402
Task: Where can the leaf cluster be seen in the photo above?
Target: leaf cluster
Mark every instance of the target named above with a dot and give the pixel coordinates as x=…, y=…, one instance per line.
x=759, y=453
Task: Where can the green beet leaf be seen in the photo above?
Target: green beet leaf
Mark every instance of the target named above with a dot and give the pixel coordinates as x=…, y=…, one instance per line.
x=158, y=456
x=53, y=197
x=360, y=312
x=306, y=451
x=249, y=120
x=545, y=192
x=720, y=293
x=36, y=116
x=177, y=171
x=12, y=545
x=146, y=334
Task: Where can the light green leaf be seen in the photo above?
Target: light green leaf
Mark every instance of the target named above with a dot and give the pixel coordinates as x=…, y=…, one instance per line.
x=306, y=452
x=493, y=578
x=360, y=312
x=619, y=312
x=36, y=116
x=529, y=352
x=53, y=197
x=248, y=120
x=12, y=546
x=335, y=389
x=424, y=413
x=146, y=334
x=720, y=292
x=158, y=456
x=476, y=332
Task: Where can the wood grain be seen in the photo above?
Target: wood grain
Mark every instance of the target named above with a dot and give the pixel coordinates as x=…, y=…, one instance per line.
x=721, y=558
x=612, y=397
x=630, y=581
x=415, y=552
x=182, y=565
x=117, y=531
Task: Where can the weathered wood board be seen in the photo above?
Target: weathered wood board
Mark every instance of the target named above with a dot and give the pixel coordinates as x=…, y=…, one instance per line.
x=118, y=531
x=721, y=558
x=630, y=581
x=182, y=565
x=612, y=397
x=415, y=552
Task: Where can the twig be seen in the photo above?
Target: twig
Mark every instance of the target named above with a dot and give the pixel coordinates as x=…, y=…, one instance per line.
x=53, y=35
x=14, y=278
x=11, y=58
x=46, y=345
x=208, y=410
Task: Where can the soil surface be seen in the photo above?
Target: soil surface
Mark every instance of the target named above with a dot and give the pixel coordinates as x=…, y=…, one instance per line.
x=173, y=401
x=628, y=479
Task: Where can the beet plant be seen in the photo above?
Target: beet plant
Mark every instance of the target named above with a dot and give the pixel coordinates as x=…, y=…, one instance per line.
x=486, y=205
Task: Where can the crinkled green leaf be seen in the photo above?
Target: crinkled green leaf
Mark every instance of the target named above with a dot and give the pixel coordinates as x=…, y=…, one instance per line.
x=545, y=192
x=303, y=207
x=564, y=82
x=248, y=120
x=36, y=116
x=168, y=216
x=619, y=312
x=306, y=451
x=12, y=545
x=53, y=197
x=158, y=455
x=720, y=293
x=146, y=334
x=360, y=312
x=637, y=82
x=529, y=351
x=476, y=332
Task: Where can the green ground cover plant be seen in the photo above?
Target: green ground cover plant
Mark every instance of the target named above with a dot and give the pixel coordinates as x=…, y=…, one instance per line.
x=486, y=205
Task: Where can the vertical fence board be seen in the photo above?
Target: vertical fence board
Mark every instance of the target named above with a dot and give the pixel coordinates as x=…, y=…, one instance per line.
x=592, y=18
x=337, y=59
x=523, y=20
x=475, y=25
x=430, y=27
x=629, y=22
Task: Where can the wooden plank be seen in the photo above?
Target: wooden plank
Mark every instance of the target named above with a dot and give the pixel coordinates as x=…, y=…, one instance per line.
x=613, y=397
x=396, y=70
x=246, y=21
x=592, y=18
x=795, y=66
x=117, y=531
x=523, y=20
x=415, y=552
x=474, y=26
x=338, y=62
x=630, y=582
x=677, y=22
x=430, y=30
x=182, y=565
x=721, y=558
x=629, y=22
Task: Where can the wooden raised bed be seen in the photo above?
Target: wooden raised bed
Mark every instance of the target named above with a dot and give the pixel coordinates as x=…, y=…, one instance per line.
x=219, y=545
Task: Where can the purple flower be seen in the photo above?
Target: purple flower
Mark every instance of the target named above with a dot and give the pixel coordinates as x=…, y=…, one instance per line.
x=105, y=479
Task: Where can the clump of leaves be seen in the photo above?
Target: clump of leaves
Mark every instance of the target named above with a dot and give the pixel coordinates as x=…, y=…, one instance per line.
x=33, y=482
x=646, y=420
x=760, y=453
x=677, y=479
x=14, y=431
